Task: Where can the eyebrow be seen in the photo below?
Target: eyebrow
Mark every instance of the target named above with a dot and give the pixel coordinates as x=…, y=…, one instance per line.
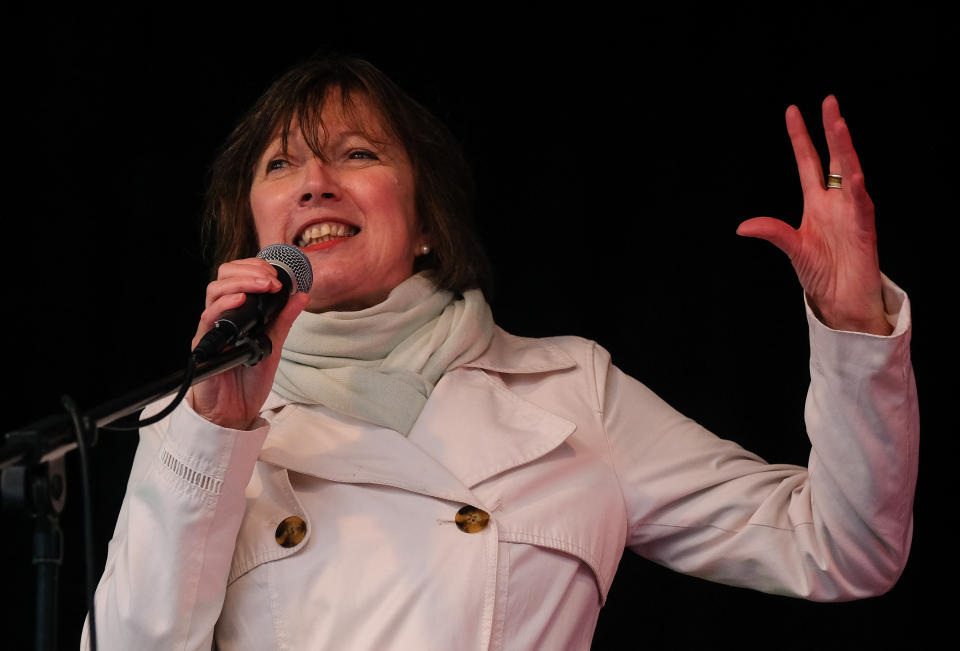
x=333, y=141
x=354, y=133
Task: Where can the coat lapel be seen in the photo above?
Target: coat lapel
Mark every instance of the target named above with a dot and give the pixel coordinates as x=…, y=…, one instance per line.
x=475, y=426
x=472, y=428
x=313, y=440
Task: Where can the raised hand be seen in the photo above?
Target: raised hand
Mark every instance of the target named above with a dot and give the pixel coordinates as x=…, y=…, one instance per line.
x=834, y=251
x=233, y=399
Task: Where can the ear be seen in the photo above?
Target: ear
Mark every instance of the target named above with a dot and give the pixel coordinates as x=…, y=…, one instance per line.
x=421, y=242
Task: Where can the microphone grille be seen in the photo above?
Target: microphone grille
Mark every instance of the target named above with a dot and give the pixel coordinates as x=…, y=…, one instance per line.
x=294, y=261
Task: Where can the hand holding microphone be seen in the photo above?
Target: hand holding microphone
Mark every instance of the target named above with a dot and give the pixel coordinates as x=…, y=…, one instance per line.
x=266, y=292
x=295, y=275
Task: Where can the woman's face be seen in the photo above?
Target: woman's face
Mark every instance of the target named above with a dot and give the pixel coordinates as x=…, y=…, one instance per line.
x=353, y=215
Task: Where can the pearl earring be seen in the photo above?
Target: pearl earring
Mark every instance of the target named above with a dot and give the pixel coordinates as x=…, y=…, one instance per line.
x=424, y=250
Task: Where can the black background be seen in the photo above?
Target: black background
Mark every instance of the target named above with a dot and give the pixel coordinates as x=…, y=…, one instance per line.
x=615, y=154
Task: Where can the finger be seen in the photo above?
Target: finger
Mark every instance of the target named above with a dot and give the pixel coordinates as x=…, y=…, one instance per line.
x=854, y=186
x=230, y=293
x=843, y=157
x=779, y=233
x=808, y=160
x=831, y=116
x=252, y=283
x=844, y=161
x=245, y=266
x=213, y=312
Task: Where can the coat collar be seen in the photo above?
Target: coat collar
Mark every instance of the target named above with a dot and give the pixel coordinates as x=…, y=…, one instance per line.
x=472, y=428
x=511, y=354
x=506, y=353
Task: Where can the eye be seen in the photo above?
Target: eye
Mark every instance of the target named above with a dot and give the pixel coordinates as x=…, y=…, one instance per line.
x=362, y=154
x=276, y=164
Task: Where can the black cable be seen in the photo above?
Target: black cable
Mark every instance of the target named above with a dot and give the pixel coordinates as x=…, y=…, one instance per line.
x=188, y=375
x=81, y=428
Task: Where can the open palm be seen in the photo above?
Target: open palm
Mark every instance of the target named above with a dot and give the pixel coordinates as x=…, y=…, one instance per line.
x=834, y=251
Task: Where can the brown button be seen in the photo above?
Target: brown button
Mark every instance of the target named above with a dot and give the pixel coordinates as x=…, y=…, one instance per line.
x=470, y=519
x=291, y=531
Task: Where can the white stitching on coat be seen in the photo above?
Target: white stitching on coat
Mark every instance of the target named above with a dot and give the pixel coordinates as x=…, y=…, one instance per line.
x=183, y=471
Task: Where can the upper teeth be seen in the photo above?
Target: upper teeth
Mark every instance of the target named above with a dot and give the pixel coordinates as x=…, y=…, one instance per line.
x=323, y=232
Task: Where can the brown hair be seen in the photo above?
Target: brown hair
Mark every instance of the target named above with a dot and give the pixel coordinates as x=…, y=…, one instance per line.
x=443, y=181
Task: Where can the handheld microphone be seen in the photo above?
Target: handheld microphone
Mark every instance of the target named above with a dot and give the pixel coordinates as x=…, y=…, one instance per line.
x=294, y=273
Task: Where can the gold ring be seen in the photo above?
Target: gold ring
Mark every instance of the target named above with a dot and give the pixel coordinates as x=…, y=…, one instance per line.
x=834, y=181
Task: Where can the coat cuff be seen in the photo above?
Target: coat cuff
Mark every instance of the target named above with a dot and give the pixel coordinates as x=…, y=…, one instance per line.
x=863, y=349
x=201, y=452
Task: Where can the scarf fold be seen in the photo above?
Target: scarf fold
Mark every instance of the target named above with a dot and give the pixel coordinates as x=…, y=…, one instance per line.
x=381, y=364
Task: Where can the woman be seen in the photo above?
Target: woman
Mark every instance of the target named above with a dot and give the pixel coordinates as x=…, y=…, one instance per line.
x=404, y=475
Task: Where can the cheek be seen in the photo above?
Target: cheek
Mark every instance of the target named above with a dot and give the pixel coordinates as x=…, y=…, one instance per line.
x=404, y=198
x=264, y=209
x=392, y=201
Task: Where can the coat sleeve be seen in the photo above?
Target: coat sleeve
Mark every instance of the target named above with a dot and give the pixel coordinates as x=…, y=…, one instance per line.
x=839, y=529
x=166, y=573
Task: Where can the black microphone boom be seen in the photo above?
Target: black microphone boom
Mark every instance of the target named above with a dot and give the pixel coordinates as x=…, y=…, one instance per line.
x=294, y=273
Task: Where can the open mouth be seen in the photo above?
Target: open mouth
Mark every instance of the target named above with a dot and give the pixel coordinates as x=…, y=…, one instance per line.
x=324, y=232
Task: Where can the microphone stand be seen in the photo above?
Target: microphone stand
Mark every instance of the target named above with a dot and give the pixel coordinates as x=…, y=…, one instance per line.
x=33, y=477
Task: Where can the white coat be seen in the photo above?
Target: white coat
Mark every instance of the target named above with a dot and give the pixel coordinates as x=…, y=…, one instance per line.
x=572, y=460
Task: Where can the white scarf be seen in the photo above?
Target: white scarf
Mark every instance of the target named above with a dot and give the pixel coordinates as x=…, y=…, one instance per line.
x=380, y=364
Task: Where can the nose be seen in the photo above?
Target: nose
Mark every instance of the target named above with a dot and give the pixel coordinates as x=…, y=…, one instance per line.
x=320, y=181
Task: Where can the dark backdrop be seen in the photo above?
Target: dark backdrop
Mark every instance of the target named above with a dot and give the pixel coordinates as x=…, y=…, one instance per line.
x=615, y=155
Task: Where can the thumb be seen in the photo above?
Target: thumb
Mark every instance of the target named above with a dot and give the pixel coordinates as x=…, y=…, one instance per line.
x=281, y=325
x=777, y=232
